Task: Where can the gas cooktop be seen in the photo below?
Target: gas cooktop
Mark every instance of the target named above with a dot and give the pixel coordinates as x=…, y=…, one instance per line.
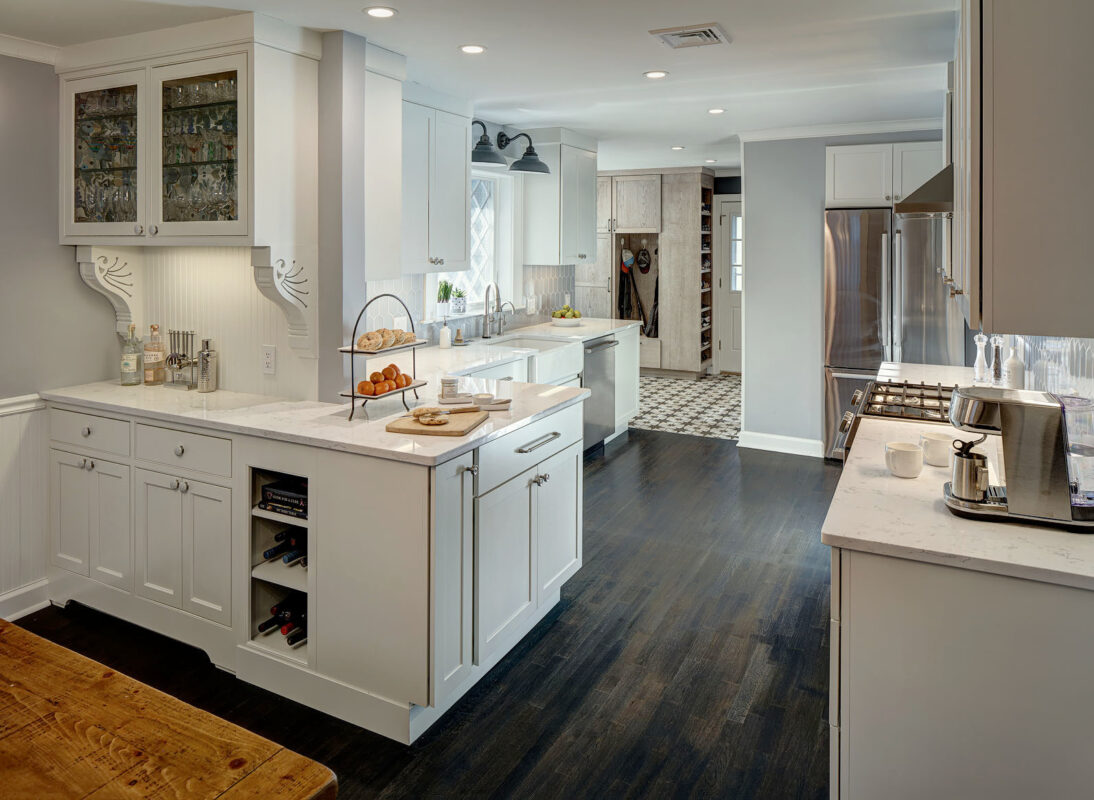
x=919, y=402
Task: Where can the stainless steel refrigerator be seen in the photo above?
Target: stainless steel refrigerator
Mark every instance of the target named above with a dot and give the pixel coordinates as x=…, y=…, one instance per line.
x=884, y=300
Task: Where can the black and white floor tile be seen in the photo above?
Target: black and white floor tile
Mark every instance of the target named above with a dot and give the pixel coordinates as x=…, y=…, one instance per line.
x=710, y=406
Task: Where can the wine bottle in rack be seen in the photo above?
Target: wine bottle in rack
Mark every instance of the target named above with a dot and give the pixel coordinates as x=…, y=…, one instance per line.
x=284, y=534
x=293, y=555
x=297, y=636
x=267, y=624
x=275, y=551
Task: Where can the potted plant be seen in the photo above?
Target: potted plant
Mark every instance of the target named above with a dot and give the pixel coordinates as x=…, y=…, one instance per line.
x=459, y=301
x=444, y=295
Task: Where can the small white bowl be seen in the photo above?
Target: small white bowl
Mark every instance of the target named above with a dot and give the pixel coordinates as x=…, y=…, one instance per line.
x=482, y=399
x=904, y=459
x=937, y=448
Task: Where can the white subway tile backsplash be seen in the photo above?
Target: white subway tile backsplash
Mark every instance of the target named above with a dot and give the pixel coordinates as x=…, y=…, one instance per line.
x=1078, y=357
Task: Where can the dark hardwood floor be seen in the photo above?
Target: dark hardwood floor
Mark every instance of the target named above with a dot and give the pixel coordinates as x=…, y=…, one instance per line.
x=688, y=657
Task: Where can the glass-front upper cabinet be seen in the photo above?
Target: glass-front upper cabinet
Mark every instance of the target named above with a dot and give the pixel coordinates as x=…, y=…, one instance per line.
x=103, y=184
x=199, y=138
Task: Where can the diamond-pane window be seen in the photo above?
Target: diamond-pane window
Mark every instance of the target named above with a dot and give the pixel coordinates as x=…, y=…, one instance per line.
x=482, y=270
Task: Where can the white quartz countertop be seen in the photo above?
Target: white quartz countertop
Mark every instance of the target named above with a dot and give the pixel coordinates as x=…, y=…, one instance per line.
x=876, y=512
x=590, y=328
x=324, y=424
x=434, y=362
x=925, y=373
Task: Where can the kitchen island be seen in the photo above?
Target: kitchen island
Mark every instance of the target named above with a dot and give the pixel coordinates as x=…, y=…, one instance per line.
x=427, y=557
x=960, y=649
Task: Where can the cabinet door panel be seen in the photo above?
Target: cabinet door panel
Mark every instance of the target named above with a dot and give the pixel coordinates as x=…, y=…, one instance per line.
x=207, y=551
x=200, y=164
x=418, y=124
x=450, y=191
x=637, y=203
x=859, y=175
x=453, y=553
x=159, y=538
x=914, y=163
x=70, y=490
x=103, y=169
x=578, y=205
x=558, y=521
x=626, y=375
x=505, y=563
x=110, y=528
x=593, y=301
x=604, y=204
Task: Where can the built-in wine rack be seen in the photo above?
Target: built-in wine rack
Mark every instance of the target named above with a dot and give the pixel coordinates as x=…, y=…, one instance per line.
x=280, y=552
x=706, y=277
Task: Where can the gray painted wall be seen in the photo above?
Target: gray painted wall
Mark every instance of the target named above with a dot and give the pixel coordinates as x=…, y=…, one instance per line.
x=54, y=330
x=783, y=188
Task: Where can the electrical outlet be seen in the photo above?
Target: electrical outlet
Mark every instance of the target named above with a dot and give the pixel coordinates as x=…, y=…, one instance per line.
x=269, y=359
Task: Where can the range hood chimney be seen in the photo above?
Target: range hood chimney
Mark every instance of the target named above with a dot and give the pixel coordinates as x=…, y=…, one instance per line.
x=932, y=199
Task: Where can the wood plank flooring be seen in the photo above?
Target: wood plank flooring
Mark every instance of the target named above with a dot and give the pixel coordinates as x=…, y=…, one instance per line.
x=688, y=657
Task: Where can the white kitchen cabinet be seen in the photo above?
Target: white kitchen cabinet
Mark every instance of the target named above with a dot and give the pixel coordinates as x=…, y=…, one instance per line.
x=183, y=544
x=593, y=294
x=914, y=163
x=90, y=528
x=626, y=377
x=603, y=204
x=560, y=208
x=505, y=560
x=512, y=371
x=558, y=520
x=436, y=190
x=206, y=551
x=878, y=174
x=453, y=557
x=636, y=204
x=158, y=537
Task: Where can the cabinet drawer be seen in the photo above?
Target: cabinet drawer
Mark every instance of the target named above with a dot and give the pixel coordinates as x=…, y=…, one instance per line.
x=186, y=450
x=522, y=449
x=514, y=370
x=88, y=430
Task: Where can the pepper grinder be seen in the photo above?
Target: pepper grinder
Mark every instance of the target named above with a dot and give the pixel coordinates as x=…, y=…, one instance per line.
x=207, y=367
x=997, y=360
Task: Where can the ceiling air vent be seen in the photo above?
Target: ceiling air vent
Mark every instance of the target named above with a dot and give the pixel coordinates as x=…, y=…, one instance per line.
x=692, y=35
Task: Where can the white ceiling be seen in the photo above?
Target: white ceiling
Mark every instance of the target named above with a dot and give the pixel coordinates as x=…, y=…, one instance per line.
x=579, y=63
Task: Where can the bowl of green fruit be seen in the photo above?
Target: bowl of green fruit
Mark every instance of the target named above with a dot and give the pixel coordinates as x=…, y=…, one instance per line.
x=566, y=317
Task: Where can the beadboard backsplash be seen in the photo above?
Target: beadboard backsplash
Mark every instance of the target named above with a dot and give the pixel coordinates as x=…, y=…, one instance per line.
x=211, y=291
x=1078, y=355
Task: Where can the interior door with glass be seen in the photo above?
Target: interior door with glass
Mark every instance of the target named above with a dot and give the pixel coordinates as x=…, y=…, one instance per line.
x=104, y=131
x=200, y=130
x=729, y=354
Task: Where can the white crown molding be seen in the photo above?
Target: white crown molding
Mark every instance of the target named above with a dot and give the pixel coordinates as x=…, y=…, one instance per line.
x=28, y=50
x=843, y=129
x=21, y=404
x=287, y=283
x=777, y=443
x=117, y=273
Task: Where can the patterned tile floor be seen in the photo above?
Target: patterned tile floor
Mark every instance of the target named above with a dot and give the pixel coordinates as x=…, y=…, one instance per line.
x=710, y=406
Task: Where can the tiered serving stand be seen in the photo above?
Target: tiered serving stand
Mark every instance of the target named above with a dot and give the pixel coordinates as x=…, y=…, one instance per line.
x=352, y=350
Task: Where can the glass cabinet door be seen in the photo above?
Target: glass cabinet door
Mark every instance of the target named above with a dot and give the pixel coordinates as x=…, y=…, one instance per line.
x=103, y=190
x=200, y=132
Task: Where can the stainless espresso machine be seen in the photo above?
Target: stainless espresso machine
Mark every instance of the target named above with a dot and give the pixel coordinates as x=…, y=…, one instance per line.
x=1048, y=457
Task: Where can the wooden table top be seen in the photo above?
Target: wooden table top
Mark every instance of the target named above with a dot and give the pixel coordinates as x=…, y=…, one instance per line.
x=73, y=728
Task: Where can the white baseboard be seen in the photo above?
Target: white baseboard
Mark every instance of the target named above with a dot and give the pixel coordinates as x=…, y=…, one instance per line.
x=24, y=600
x=781, y=444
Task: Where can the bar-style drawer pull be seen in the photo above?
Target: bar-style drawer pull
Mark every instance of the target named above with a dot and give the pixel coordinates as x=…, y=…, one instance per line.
x=603, y=346
x=538, y=443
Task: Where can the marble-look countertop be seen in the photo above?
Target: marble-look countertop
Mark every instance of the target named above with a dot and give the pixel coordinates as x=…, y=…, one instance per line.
x=590, y=328
x=925, y=373
x=875, y=512
x=323, y=424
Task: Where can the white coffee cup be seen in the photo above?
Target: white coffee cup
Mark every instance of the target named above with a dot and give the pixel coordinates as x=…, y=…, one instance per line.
x=937, y=447
x=904, y=459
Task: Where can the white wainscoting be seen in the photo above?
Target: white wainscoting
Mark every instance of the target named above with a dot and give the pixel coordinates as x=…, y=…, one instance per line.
x=211, y=290
x=24, y=493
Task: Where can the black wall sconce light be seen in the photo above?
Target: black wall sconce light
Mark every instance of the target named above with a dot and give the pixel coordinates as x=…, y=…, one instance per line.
x=484, y=153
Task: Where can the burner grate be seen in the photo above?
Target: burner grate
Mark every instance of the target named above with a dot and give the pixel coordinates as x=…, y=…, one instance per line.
x=913, y=401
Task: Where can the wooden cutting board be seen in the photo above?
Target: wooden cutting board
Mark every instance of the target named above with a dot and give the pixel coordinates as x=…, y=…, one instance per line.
x=458, y=425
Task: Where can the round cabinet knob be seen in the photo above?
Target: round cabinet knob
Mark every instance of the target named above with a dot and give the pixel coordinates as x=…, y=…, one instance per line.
x=154, y=229
x=546, y=477
x=138, y=229
x=473, y=469
x=440, y=261
x=179, y=450
x=90, y=465
x=185, y=487
x=83, y=463
x=175, y=484
x=887, y=197
x=86, y=431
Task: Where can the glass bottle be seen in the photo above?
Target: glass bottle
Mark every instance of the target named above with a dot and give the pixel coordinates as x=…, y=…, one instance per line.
x=980, y=372
x=131, y=359
x=155, y=355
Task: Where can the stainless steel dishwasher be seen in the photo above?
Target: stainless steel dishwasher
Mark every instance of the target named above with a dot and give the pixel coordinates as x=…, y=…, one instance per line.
x=599, y=377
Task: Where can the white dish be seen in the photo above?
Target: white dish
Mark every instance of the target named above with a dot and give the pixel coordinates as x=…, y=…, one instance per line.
x=904, y=459
x=937, y=447
x=565, y=323
x=482, y=399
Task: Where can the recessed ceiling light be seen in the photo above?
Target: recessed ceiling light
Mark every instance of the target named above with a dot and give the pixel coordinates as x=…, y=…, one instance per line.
x=677, y=147
x=712, y=161
x=654, y=74
x=380, y=12
x=472, y=49
x=716, y=111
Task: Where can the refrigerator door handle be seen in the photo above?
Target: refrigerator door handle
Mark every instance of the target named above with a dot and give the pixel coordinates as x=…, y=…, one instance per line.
x=898, y=298
x=886, y=315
